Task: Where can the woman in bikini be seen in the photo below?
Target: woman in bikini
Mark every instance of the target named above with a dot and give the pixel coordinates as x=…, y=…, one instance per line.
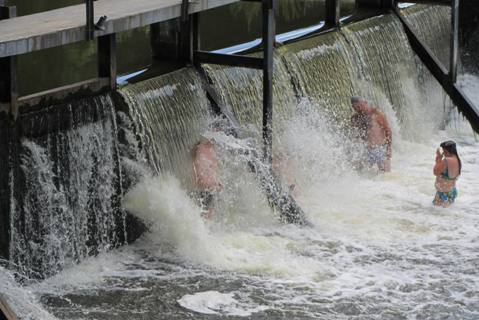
x=447, y=169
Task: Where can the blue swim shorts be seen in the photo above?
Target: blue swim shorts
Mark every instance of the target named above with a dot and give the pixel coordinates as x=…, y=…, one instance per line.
x=377, y=154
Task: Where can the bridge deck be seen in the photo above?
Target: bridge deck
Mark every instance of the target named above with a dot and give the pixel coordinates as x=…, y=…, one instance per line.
x=67, y=25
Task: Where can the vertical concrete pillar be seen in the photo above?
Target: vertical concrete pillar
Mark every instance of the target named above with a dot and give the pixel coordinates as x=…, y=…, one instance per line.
x=165, y=39
x=8, y=98
x=8, y=72
x=107, y=58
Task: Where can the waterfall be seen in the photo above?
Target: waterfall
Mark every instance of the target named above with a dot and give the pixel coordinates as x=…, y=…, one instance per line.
x=378, y=248
x=67, y=184
x=432, y=24
x=241, y=90
x=371, y=58
x=323, y=71
x=65, y=187
x=165, y=116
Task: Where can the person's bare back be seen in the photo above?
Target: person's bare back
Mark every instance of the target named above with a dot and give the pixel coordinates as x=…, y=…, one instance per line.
x=205, y=164
x=377, y=132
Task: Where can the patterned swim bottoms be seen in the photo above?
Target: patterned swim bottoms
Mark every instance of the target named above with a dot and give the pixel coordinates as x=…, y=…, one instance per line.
x=449, y=196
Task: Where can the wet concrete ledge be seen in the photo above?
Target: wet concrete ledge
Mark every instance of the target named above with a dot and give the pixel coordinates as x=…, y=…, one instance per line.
x=68, y=25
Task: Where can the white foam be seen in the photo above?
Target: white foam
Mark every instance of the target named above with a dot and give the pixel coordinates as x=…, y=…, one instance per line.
x=22, y=301
x=214, y=302
x=172, y=217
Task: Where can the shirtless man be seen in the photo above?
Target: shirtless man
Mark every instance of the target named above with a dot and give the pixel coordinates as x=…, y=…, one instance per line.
x=373, y=128
x=205, y=167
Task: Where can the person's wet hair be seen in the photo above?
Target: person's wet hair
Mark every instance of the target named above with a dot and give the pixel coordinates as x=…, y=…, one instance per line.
x=355, y=99
x=222, y=124
x=450, y=146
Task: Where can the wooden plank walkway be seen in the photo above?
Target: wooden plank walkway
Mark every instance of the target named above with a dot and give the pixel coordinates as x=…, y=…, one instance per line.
x=67, y=25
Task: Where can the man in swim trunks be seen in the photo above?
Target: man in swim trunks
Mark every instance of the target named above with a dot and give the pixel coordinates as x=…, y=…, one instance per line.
x=205, y=167
x=373, y=128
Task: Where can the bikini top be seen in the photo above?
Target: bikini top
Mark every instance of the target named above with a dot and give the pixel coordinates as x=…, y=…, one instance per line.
x=445, y=174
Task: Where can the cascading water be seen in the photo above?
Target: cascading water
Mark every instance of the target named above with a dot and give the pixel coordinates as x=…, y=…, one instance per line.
x=378, y=248
x=241, y=90
x=167, y=114
x=65, y=194
x=438, y=38
x=368, y=58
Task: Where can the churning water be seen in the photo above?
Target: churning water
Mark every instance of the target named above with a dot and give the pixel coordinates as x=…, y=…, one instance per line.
x=377, y=249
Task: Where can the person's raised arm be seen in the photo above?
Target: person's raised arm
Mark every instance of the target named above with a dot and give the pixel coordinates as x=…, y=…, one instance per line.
x=440, y=163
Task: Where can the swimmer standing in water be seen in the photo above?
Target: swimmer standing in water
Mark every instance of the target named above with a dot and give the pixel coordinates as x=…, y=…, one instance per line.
x=373, y=128
x=447, y=169
x=206, y=168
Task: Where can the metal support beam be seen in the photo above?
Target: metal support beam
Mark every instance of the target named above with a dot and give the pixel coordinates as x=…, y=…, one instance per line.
x=8, y=72
x=454, y=40
x=107, y=58
x=184, y=10
x=332, y=13
x=194, y=36
x=465, y=106
x=90, y=23
x=228, y=60
x=8, y=96
x=384, y=4
x=269, y=33
x=9, y=84
x=430, y=2
x=185, y=32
